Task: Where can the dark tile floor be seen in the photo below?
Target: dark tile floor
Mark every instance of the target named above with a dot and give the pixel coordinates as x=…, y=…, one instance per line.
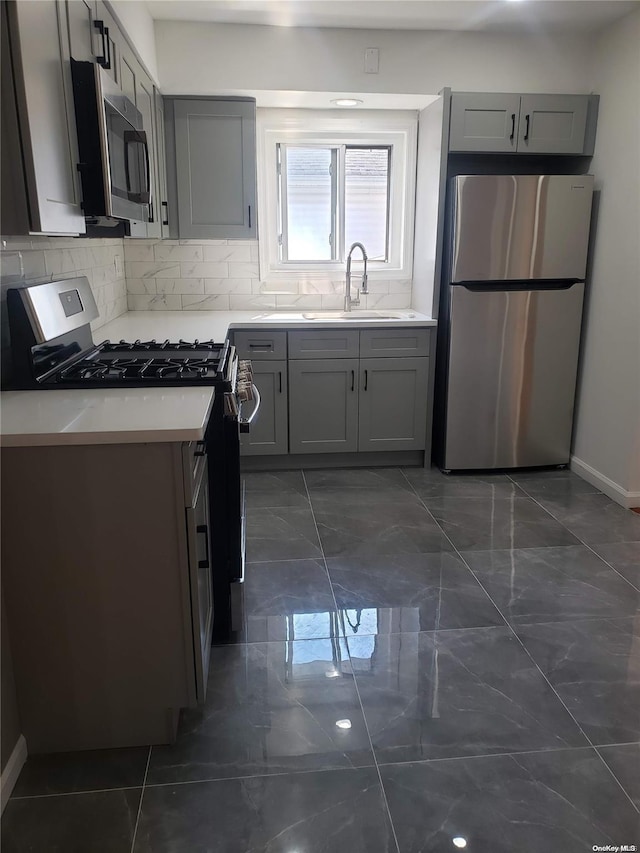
x=428, y=663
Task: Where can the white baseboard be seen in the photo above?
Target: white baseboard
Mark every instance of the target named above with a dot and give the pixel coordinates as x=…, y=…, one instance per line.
x=606, y=485
x=12, y=770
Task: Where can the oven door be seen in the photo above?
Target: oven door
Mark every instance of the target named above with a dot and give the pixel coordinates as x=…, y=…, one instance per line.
x=200, y=579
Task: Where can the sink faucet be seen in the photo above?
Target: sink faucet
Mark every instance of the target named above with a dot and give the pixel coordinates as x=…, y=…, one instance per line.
x=348, y=301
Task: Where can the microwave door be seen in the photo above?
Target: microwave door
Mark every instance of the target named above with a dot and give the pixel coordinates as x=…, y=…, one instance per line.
x=137, y=166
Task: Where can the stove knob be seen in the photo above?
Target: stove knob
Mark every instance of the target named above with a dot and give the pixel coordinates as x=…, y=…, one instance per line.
x=243, y=391
x=245, y=368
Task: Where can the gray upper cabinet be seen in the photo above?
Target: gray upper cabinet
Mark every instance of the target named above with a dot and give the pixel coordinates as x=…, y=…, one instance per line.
x=162, y=198
x=323, y=407
x=523, y=124
x=552, y=124
x=81, y=15
x=36, y=78
x=269, y=431
x=484, y=122
x=108, y=41
x=393, y=404
x=215, y=168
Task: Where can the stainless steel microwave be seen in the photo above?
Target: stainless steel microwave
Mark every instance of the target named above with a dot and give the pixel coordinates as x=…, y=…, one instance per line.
x=114, y=151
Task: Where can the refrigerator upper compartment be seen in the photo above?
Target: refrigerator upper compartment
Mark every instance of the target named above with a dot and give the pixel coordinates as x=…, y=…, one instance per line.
x=520, y=227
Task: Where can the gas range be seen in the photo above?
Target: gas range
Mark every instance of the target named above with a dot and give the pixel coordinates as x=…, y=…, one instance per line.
x=146, y=363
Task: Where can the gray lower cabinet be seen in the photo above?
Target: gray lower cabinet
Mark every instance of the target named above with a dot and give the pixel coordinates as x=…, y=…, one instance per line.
x=269, y=432
x=392, y=404
x=524, y=124
x=215, y=167
x=323, y=405
x=40, y=186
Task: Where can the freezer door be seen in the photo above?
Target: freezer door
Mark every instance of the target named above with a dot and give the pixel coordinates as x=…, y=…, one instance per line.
x=519, y=227
x=513, y=358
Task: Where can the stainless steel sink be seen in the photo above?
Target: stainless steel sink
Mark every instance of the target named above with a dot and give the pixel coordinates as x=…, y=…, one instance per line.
x=353, y=316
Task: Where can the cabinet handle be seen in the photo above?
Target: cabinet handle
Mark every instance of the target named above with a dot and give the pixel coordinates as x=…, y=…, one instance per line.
x=513, y=126
x=280, y=380
x=526, y=132
x=165, y=218
x=105, y=59
x=249, y=216
x=366, y=379
x=353, y=380
x=201, y=449
x=202, y=528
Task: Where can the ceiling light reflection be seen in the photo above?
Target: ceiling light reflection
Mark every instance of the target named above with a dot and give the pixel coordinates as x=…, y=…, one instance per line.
x=343, y=724
x=459, y=842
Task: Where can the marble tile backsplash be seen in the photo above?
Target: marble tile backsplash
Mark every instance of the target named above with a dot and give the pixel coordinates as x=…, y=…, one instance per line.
x=40, y=259
x=221, y=275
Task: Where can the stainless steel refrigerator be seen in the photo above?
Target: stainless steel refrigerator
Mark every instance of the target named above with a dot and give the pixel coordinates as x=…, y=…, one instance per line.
x=510, y=318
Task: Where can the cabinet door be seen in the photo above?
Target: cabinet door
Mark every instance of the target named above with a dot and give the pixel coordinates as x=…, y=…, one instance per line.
x=215, y=165
x=552, y=124
x=145, y=100
x=108, y=46
x=323, y=406
x=162, y=200
x=42, y=74
x=269, y=432
x=484, y=122
x=393, y=404
x=80, y=18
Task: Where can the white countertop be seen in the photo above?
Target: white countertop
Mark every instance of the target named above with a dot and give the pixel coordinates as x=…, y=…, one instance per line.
x=206, y=325
x=103, y=416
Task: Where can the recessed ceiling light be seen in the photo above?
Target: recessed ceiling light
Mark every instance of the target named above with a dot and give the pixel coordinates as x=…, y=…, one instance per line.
x=459, y=842
x=346, y=102
x=343, y=724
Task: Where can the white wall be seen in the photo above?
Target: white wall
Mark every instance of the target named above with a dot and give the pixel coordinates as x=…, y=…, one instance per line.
x=607, y=435
x=200, y=58
x=137, y=22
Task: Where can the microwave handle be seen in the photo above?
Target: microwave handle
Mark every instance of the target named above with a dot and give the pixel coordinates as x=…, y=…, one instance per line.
x=139, y=137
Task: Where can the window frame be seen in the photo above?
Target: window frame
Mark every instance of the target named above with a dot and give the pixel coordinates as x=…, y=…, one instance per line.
x=394, y=129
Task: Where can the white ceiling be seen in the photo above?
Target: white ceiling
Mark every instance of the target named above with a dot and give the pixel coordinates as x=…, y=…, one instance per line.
x=501, y=15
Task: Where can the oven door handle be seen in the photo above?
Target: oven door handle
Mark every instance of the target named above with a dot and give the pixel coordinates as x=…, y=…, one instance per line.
x=245, y=423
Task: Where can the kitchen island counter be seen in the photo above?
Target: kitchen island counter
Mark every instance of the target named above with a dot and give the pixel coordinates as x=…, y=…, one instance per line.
x=104, y=416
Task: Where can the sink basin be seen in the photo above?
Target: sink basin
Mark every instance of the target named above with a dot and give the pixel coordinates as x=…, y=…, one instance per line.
x=334, y=316
x=353, y=316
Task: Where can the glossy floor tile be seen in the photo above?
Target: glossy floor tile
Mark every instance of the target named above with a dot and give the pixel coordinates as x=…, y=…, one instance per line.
x=555, y=482
x=624, y=557
x=290, y=600
x=594, y=518
x=456, y=693
x=277, y=489
x=270, y=708
x=78, y=823
x=485, y=524
x=552, y=584
x=329, y=812
x=560, y=802
x=374, y=646
x=432, y=483
x=624, y=762
x=595, y=667
x=287, y=533
x=358, y=529
x=415, y=592
x=72, y=772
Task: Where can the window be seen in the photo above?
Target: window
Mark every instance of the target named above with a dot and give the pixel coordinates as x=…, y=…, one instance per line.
x=329, y=179
x=330, y=197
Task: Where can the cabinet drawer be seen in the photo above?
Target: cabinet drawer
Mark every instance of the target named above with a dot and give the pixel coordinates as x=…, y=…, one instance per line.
x=329, y=343
x=261, y=345
x=384, y=343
